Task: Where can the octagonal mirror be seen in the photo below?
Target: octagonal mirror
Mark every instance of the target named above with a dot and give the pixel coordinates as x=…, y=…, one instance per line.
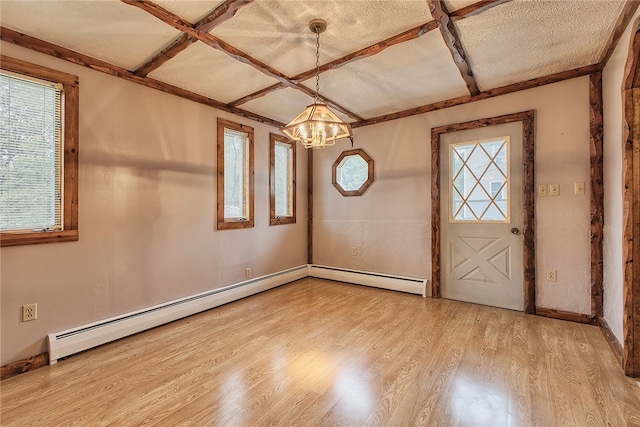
x=352, y=172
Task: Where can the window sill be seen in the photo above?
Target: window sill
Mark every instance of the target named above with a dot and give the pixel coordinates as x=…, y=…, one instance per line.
x=232, y=225
x=282, y=220
x=18, y=239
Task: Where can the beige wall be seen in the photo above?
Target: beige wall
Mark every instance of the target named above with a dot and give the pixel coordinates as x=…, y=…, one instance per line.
x=390, y=223
x=612, y=77
x=147, y=200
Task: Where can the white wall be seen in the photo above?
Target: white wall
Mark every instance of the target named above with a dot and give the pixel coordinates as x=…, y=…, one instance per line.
x=391, y=225
x=612, y=77
x=146, y=216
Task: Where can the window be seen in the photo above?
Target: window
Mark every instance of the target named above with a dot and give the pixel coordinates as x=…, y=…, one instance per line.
x=479, y=183
x=235, y=175
x=282, y=181
x=38, y=154
x=352, y=172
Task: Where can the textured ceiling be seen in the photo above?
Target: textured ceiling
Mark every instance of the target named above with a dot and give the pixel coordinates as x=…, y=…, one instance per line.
x=391, y=81
x=276, y=32
x=211, y=73
x=266, y=43
x=560, y=35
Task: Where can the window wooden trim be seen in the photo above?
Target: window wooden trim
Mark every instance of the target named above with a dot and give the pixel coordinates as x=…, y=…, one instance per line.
x=273, y=219
x=334, y=175
x=631, y=196
x=70, y=86
x=222, y=223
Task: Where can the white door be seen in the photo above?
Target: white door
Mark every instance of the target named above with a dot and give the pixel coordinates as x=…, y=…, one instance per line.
x=481, y=211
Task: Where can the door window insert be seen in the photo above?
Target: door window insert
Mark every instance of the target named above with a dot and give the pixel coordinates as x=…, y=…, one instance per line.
x=479, y=181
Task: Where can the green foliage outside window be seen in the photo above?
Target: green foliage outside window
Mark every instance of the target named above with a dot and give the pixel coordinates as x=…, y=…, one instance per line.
x=353, y=171
x=30, y=154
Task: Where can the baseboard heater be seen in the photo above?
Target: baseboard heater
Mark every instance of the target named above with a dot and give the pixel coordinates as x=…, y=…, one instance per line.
x=377, y=280
x=82, y=338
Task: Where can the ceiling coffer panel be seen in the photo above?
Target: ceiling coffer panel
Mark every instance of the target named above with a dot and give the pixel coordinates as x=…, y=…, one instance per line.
x=211, y=73
x=276, y=32
x=189, y=10
x=108, y=30
x=282, y=105
x=525, y=39
x=404, y=76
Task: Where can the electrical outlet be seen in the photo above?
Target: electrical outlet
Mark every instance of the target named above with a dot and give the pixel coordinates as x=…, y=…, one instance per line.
x=552, y=276
x=354, y=251
x=29, y=312
x=542, y=189
x=578, y=188
x=554, y=189
x=247, y=273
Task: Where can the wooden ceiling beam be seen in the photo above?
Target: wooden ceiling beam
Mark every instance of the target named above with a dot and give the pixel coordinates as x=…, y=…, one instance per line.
x=529, y=84
x=38, y=45
x=216, y=43
x=476, y=9
x=211, y=41
x=374, y=49
x=257, y=94
x=179, y=44
x=450, y=35
x=294, y=82
x=632, y=79
x=220, y=14
x=623, y=21
x=50, y=49
x=216, y=17
x=310, y=92
x=405, y=36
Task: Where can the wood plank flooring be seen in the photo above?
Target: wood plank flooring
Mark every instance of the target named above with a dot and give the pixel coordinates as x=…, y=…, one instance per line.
x=322, y=353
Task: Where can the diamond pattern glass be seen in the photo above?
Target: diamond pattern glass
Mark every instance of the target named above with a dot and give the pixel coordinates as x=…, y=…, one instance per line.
x=479, y=184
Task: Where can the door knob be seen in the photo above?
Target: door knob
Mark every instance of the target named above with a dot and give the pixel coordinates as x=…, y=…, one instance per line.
x=515, y=231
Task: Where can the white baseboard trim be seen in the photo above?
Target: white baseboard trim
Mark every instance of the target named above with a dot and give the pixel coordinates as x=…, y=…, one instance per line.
x=377, y=280
x=75, y=340
x=71, y=341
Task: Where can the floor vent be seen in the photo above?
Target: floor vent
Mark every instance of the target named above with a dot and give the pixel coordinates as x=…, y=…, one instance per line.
x=65, y=343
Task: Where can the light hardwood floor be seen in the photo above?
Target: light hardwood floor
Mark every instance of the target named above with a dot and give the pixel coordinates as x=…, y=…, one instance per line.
x=316, y=352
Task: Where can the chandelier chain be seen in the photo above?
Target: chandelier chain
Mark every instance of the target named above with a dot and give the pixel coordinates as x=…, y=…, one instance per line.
x=317, y=66
x=317, y=126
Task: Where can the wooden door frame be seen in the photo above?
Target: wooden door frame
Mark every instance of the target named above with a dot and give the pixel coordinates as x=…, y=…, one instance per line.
x=528, y=200
x=631, y=206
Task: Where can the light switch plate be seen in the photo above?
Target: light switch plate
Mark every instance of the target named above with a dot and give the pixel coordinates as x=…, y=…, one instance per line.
x=578, y=188
x=554, y=189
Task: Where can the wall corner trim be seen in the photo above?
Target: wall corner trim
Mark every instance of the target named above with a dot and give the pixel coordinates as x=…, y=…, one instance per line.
x=613, y=342
x=566, y=315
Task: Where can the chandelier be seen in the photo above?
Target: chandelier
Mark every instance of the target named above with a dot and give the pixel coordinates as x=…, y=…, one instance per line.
x=317, y=126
